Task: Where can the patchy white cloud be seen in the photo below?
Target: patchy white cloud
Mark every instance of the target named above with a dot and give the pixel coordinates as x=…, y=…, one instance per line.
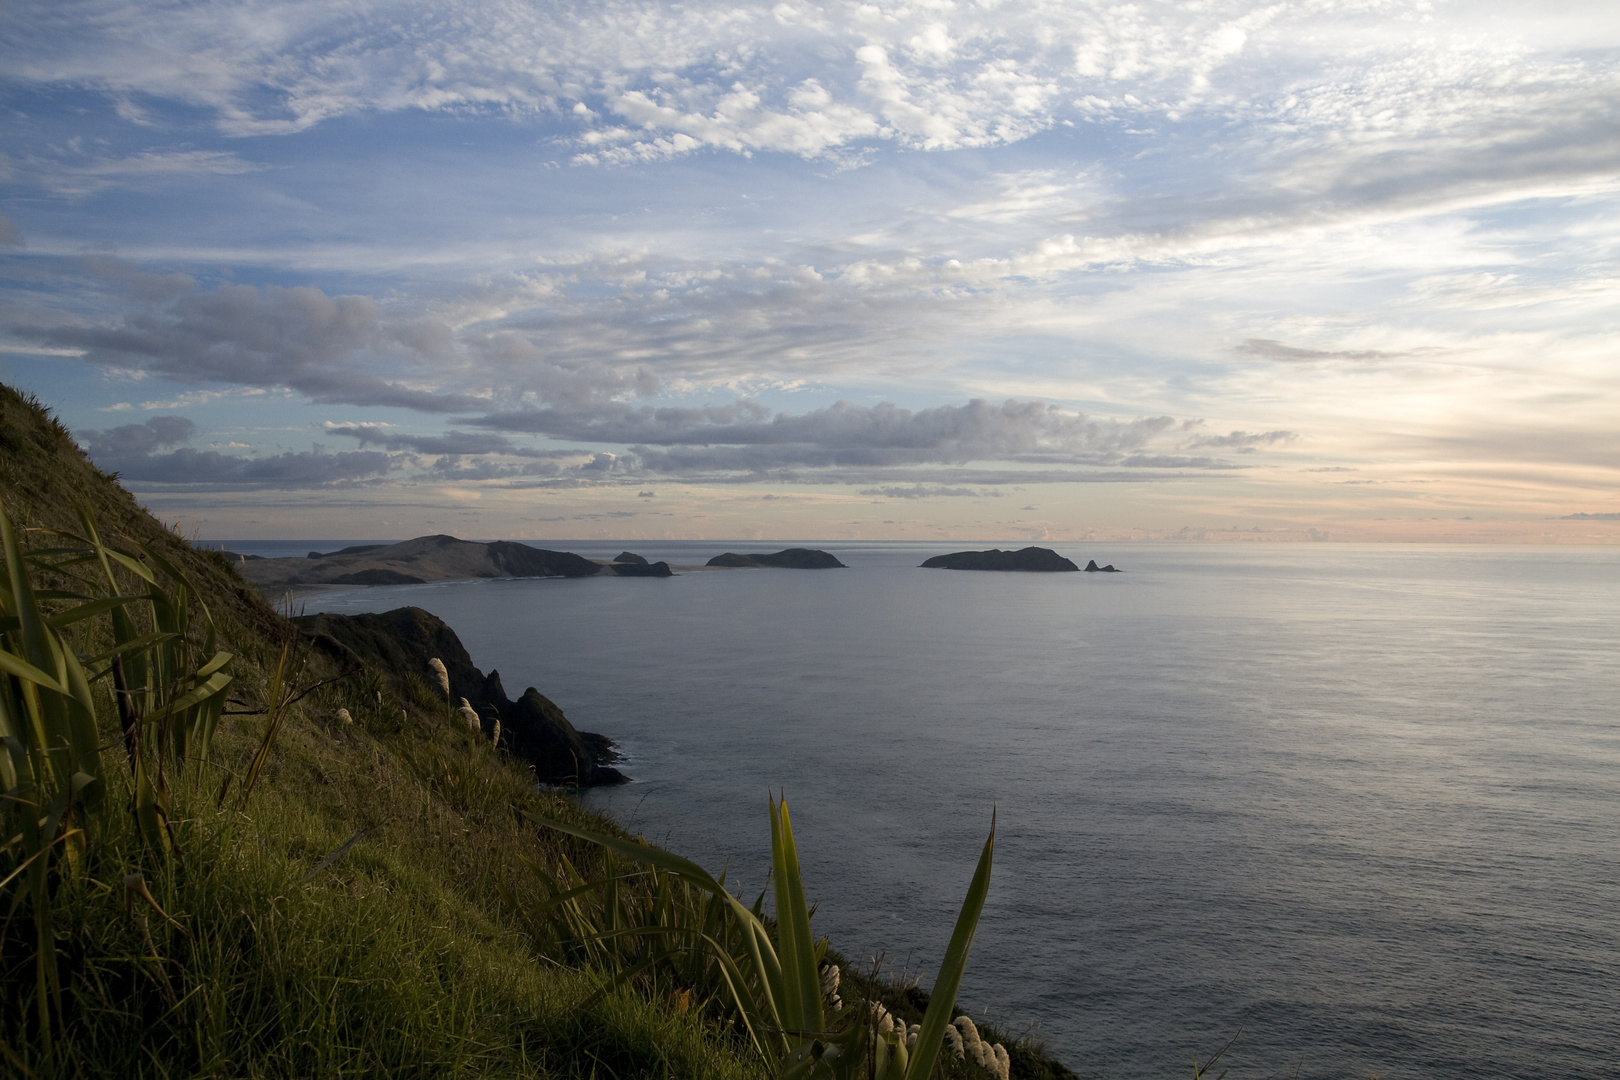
x=642, y=80
x=631, y=242
x=73, y=171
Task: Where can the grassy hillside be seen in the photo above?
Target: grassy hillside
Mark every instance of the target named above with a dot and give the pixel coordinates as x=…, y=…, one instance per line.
x=351, y=883
x=415, y=953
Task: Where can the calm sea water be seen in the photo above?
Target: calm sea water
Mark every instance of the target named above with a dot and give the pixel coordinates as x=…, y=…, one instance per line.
x=1363, y=802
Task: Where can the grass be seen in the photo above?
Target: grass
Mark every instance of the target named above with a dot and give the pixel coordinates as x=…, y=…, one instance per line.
x=247, y=951
x=399, y=958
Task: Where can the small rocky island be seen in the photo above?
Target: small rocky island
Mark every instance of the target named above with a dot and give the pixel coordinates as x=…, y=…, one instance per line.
x=1043, y=560
x=1093, y=568
x=403, y=642
x=786, y=559
x=432, y=558
x=629, y=564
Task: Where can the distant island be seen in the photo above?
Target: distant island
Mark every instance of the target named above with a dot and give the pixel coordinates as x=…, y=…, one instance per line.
x=1093, y=568
x=1043, y=560
x=432, y=558
x=629, y=564
x=786, y=559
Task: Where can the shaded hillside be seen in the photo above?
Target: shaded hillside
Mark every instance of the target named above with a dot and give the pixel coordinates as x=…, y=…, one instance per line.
x=45, y=477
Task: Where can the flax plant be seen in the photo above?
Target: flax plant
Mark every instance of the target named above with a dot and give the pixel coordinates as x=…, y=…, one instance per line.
x=773, y=987
x=168, y=688
x=50, y=767
x=167, y=692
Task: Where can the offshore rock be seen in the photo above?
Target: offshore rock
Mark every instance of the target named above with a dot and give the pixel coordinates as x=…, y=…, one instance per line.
x=786, y=559
x=1043, y=560
x=1093, y=568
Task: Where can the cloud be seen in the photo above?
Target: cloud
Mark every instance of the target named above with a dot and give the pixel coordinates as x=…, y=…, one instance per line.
x=1266, y=349
x=311, y=468
x=745, y=436
x=133, y=452
x=1244, y=440
x=633, y=82
x=338, y=349
x=134, y=439
x=921, y=491
x=454, y=443
x=10, y=235
x=68, y=171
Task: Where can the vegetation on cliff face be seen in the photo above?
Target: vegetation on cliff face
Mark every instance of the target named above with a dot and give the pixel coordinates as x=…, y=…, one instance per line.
x=334, y=875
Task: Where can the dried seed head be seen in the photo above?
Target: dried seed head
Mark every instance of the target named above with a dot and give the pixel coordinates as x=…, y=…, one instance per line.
x=344, y=717
x=469, y=714
x=440, y=675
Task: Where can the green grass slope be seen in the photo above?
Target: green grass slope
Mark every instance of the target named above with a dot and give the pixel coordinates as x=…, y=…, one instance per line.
x=415, y=952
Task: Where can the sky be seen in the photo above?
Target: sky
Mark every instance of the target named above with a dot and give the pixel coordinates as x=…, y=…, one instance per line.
x=935, y=270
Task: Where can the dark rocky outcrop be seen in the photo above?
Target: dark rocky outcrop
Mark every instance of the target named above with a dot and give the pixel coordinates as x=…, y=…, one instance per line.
x=642, y=569
x=786, y=559
x=1040, y=559
x=426, y=558
x=630, y=557
x=532, y=728
x=1093, y=568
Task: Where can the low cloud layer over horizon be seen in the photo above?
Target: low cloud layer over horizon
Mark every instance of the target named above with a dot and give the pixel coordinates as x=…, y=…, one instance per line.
x=505, y=269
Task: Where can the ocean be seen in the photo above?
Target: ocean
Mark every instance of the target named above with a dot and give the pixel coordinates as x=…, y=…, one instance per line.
x=1361, y=803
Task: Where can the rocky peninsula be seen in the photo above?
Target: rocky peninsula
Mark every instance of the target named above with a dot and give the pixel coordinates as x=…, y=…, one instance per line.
x=403, y=642
x=430, y=558
x=1043, y=560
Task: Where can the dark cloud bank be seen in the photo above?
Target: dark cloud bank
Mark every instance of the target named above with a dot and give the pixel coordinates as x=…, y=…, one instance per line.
x=336, y=349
